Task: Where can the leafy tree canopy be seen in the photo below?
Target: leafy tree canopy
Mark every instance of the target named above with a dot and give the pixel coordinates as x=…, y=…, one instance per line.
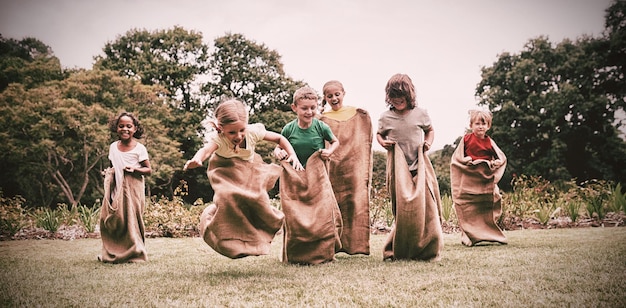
x=28, y=62
x=55, y=136
x=243, y=69
x=172, y=58
x=554, y=107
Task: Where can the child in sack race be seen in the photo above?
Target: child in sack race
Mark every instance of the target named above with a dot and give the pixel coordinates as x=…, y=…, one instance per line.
x=241, y=221
x=121, y=218
x=476, y=167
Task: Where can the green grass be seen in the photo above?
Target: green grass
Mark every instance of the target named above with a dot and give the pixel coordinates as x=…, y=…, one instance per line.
x=582, y=267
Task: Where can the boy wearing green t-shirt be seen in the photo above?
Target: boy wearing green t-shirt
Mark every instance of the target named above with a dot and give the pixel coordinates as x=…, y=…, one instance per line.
x=306, y=133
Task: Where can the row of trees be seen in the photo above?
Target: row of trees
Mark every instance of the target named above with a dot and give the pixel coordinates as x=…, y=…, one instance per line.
x=54, y=138
x=554, y=108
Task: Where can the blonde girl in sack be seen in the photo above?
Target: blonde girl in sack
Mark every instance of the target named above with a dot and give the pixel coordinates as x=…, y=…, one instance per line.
x=241, y=221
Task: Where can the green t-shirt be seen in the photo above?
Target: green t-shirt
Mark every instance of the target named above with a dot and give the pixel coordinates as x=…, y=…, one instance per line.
x=307, y=141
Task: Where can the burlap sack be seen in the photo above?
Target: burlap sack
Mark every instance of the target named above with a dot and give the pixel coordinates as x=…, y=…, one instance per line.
x=241, y=221
x=350, y=173
x=121, y=220
x=416, y=233
x=312, y=217
x=476, y=196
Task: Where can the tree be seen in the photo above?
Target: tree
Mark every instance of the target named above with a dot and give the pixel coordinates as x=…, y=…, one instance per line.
x=56, y=137
x=552, y=114
x=28, y=62
x=441, y=163
x=615, y=45
x=173, y=59
x=177, y=60
x=251, y=72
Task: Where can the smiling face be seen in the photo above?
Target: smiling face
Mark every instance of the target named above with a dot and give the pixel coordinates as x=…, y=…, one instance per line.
x=235, y=132
x=306, y=109
x=333, y=95
x=399, y=104
x=126, y=128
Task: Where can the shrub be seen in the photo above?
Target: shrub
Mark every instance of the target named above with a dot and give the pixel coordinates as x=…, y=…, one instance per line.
x=380, y=208
x=617, y=199
x=572, y=209
x=67, y=215
x=537, y=198
x=89, y=216
x=570, y=201
x=594, y=193
x=545, y=211
x=48, y=219
x=12, y=215
x=528, y=195
x=447, y=208
x=171, y=218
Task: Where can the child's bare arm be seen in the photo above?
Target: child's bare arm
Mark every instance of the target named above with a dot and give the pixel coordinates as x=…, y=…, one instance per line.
x=284, y=150
x=200, y=156
x=385, y=143
x=429, y=137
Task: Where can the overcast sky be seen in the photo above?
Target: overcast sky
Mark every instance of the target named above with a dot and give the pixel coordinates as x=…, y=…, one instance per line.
x=441, y=44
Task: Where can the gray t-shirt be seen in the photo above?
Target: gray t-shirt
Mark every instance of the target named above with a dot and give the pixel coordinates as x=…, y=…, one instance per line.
x=407, y=130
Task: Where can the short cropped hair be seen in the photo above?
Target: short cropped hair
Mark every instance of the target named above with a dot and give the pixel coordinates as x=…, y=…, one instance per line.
x=305, y=93
x=484, y=115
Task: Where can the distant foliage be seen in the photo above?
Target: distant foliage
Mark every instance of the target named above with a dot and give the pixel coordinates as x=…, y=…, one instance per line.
x=537, y=198
x=172, y=217
x=12, y=215
x=555, y=105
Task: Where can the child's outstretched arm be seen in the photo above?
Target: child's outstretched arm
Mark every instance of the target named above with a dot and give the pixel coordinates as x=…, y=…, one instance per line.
x=284, y=150
x=200, y=156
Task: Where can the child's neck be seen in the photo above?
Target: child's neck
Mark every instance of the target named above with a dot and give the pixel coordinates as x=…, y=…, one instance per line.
x=127, y=141
x=126, y=144
x=237, y=147
x=304, y=125
x=401, y=112
x=483, y=136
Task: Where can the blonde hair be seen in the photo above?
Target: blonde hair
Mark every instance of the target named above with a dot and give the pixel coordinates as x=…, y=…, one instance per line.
x=480, y=114
x=305, y=93
x=229, y=111
x=400, y=86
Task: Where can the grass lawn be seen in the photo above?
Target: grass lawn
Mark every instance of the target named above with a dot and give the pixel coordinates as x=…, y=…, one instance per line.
x=580, y=267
